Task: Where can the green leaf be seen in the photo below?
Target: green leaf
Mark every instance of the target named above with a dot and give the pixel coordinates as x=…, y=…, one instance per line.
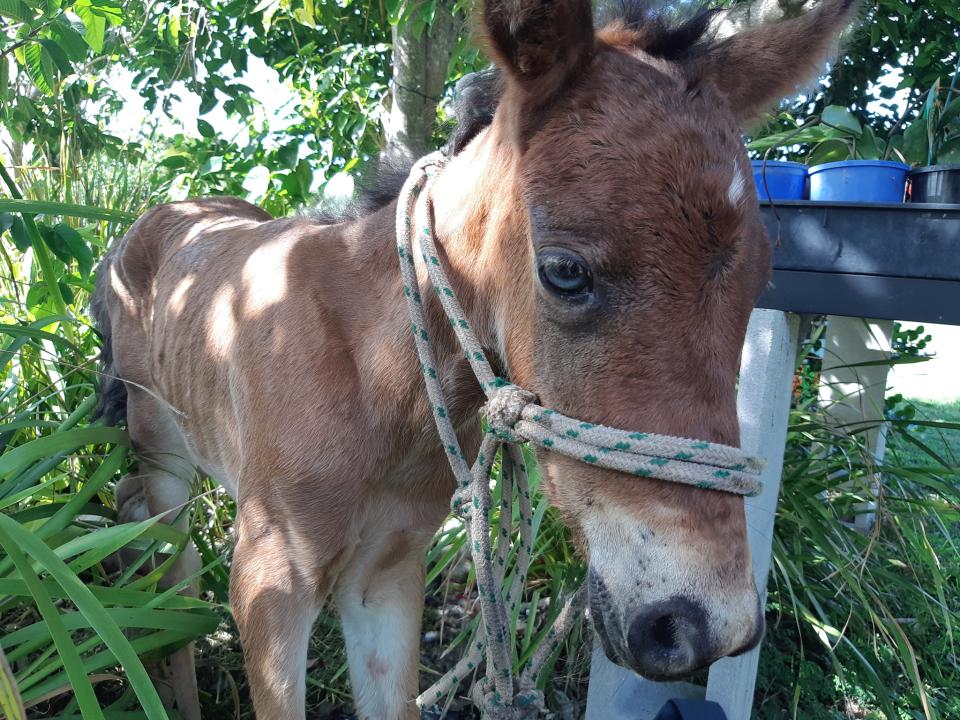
x=266, y=5
x=205, y=129
x=173, y=29
x=61, y=62
x=95, y=26
x=949, y=152
x=829, y=151
x=867, y=147
x=16, y=10
x=932, y=95
x=839, y=117
x=4, y=82
x=13, y=535
x=257, y=182
x=289, y=154
x=189, y=624
x=66, y=292
x=107, y=595
x=949, y=113
x=69, y=39
x=304, y=173
x=208, y=101
x=11, y=704
x=34, y=332
x=176, y=161
x=20, y=235
x=213, y=164
x=56, y=244
x=45, y=207
x=817, y=133
x=915, y=142
x=78, y=247
x=39, y=66
x=22, y=457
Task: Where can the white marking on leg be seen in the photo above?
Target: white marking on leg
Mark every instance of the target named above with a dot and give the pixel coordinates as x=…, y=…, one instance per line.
x=381, y=633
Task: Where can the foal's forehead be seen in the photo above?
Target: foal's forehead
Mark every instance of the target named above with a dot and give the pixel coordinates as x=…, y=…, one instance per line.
x=648, y=100
x=634, y=142
x=652, y=170
x=644, y=111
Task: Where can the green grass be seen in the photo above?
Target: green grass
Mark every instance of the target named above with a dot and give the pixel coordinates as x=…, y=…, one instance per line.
x=864, y=625
x=943, y=442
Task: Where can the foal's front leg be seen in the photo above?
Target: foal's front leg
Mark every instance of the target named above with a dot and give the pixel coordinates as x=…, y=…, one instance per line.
x=379, y=597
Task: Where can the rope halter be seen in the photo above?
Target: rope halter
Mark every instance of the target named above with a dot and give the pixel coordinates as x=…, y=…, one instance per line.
x=514, y=417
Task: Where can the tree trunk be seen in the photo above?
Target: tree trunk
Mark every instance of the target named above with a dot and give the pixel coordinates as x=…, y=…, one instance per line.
x=419, y=73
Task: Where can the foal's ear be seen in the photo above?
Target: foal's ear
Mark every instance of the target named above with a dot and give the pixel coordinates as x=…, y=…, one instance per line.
x=539, y=43
x=758, y=67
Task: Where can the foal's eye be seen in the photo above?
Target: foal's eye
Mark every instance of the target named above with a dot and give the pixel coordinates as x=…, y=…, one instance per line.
x=565, y=274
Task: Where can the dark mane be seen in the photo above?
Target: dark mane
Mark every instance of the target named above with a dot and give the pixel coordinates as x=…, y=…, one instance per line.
x=667, y=31
x=379, y=185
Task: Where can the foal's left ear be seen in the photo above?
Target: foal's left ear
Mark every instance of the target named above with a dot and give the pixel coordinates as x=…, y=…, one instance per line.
x=540, y=44
x=758, y=67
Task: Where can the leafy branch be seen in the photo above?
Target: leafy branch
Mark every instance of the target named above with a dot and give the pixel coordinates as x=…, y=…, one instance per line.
x=28, y=38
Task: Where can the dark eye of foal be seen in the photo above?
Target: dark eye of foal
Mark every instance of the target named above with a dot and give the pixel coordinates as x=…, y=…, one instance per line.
x=564, y=274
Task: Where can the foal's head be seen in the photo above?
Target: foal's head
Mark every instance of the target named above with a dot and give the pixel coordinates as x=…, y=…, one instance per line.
x=625, y=203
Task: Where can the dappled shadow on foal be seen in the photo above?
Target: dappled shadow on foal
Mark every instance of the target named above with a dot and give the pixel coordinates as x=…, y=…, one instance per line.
x=604, y=240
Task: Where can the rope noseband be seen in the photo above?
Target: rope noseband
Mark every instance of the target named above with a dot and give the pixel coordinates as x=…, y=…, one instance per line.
x=514, y=417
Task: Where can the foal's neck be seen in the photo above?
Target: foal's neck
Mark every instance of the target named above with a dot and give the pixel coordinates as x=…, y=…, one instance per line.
x=471, y=205
x=481, y=229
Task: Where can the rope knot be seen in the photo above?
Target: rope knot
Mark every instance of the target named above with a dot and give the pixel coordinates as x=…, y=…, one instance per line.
x=504, y=409
x=526, y=704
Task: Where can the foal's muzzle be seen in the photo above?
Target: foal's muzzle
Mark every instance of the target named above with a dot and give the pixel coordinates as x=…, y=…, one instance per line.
x=665, y=640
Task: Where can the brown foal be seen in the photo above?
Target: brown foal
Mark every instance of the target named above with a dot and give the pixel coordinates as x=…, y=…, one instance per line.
x=604, y=239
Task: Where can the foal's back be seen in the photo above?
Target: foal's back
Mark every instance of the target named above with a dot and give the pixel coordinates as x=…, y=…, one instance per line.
x=249, y=334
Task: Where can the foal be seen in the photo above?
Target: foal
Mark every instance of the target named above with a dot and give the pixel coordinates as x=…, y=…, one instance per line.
x=604, y=239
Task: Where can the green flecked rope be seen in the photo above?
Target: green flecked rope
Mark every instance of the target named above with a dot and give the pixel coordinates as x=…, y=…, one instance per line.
x=513, y=418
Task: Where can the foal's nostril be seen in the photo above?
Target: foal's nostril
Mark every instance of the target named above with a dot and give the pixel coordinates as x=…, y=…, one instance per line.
x=669, y=639
x=664, y=632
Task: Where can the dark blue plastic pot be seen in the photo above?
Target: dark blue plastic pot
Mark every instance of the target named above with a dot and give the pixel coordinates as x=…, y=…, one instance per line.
x=781, y=180
x=935, y=184
x=868, y=181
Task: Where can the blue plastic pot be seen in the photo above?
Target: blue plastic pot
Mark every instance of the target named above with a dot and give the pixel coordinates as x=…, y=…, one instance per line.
x=868, y=181
x=781, y=180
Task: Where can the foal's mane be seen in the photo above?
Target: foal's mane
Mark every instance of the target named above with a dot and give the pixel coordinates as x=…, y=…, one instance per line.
x=672, y=31
x=659, y=28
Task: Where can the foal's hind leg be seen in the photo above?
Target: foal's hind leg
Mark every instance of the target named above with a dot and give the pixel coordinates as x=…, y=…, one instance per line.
x=162, y=487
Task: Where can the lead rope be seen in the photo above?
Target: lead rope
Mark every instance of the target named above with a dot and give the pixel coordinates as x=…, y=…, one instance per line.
x=514, y=417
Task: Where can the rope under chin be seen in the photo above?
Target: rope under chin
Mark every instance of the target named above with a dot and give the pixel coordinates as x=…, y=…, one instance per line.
x=514, y=417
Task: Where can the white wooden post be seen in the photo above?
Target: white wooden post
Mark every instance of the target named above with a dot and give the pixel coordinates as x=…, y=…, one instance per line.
x=853, y=397
x=763, y=405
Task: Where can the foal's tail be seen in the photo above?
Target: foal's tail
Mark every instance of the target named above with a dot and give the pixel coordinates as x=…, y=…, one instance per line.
x=111, y=392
